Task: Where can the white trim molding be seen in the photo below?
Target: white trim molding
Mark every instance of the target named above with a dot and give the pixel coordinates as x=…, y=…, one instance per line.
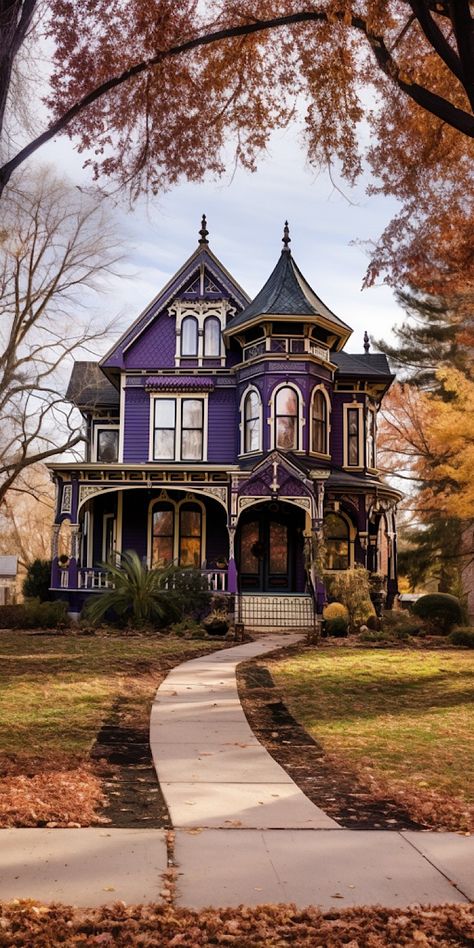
x=200, y=311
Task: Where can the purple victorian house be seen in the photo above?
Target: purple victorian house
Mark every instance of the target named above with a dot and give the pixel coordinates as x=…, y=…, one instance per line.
x=223, y=434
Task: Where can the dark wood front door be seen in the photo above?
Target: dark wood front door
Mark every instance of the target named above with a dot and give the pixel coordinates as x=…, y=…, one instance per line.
x=267, y=550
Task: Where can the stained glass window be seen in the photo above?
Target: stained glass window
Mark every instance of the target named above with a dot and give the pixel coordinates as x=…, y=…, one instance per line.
x=249, y=540
x=287, y=419
x=278, y=547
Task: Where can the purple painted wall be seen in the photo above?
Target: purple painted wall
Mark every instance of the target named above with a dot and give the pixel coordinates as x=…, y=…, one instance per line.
x=156, y=347
x=137, y=426
x=223, y=427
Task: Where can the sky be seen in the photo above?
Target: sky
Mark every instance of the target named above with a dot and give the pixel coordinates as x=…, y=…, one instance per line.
x=245, y=214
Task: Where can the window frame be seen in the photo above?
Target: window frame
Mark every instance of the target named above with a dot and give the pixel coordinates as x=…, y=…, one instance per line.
x=176, y=505
x=178, y=398
x=371, y=419
x=322, y=391
x=350, y=539
x=359, y=408
x=251, y=390
x=98, y=427
x=274, y=416
x=212, y=318
x=189, y=355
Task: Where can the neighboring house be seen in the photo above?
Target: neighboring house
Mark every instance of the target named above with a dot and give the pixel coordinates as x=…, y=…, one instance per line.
x=8, y=579
x=222, y=432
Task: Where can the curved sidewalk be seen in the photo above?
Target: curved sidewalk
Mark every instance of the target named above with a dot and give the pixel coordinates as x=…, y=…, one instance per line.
x=212, y=769
x=245, y=833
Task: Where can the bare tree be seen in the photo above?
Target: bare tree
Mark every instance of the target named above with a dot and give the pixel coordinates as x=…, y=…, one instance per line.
x=26, y=516
x=56, y=248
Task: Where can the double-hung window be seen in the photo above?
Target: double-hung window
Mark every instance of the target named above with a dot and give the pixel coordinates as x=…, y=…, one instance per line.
x=178, y=429
x=353, y=437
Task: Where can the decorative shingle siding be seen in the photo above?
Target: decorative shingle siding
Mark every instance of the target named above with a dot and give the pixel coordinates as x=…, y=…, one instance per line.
x=156, y=347
x=137, y=426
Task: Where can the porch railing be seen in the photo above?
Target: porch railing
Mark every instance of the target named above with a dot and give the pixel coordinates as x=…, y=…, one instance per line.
x=97, y=579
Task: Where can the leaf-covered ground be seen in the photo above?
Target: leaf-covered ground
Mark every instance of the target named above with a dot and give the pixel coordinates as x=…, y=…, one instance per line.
x=401, y=720
x=269, y=926
x=56, y=694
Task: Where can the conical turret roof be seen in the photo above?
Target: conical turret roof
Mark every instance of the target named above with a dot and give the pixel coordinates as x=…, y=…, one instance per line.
x=287, y=293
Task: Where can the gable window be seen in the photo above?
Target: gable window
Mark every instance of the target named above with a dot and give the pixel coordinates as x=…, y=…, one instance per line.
x=212, y=337
x=190, y=532
x=178, y=429
x=162, y=552
x=252, y=426
x=286, y=419
x=319, y=423
x=189, y=336
x=336, y=536
x=164, y=442
x=371, y=428
x=191, y=429
x=107, y=445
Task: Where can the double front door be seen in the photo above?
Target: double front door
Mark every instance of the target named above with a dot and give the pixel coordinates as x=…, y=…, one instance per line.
x=267, y=549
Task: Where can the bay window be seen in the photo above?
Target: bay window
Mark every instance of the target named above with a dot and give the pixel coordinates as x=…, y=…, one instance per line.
x=319, y=424
x=336, y=537
x=286, y=419
x=371, y=430
x=252, y=423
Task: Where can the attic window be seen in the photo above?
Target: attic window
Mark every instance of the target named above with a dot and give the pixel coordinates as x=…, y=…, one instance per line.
x=189, y=336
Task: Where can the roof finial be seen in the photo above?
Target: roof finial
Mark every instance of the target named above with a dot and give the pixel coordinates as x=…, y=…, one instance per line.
x=366, y=341
x=286, y=238
x=204, y=231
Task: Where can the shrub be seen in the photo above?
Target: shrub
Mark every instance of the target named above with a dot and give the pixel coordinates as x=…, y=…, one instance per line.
x=13, y=617
x=139, y=595
x=440, y=610
x=335, y=610
x=46, y=615
x=189, y=591
x=351, y=588
x=187, y=628
x=336, y=627
x=371, y=635
x=462, y=636
x=38, y=580
x=374, y=623
x=402, y=624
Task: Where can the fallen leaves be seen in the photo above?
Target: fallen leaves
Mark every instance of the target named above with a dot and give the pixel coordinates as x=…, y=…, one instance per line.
x=51, y=798
x=266, y=926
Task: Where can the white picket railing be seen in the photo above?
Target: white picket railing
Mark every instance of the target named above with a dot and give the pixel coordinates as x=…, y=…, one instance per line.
x=97, y=579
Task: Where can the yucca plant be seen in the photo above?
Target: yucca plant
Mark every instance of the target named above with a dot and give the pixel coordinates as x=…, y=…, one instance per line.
x=139, y=594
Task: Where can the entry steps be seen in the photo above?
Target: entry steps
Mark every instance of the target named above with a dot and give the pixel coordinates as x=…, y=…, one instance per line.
x=275, y=611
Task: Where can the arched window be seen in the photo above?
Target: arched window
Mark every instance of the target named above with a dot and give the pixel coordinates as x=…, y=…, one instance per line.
x=162, y=540
x=190, y=535
x=189, y=336
x=286, y=419
x=252, y=426
x=212, y=337
x=336, y=535
x=319, y=424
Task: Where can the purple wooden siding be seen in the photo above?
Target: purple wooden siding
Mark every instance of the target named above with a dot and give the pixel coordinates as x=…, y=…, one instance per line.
x=223, y=427
x=137, y=426
x=156, y=347
x=135, y=515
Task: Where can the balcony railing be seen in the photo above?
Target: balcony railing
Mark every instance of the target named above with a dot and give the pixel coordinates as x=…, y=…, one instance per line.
x=275, y=345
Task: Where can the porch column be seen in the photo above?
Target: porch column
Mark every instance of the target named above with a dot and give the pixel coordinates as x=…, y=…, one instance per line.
x=55, y=571
x=75, y=547
x=319, y=481
x=232, y=568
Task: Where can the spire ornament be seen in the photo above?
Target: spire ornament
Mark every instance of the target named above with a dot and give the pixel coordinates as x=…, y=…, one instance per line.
x=286, y=239
x=203, y=233
x=366, y=342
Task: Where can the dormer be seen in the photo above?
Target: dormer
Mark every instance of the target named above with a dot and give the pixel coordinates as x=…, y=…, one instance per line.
x=287, y=318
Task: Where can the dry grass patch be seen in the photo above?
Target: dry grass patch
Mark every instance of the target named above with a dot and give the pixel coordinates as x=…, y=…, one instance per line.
x=403, y=720
x=56, y=691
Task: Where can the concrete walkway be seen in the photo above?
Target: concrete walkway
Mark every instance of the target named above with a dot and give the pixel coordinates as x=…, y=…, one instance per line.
x=244, y=830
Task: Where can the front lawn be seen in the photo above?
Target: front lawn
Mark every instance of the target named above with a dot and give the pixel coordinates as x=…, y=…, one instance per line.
x=402, y=720
x=56, y=693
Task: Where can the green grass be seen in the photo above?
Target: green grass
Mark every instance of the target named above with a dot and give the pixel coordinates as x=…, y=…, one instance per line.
x=406, y=717
x=55, y=691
